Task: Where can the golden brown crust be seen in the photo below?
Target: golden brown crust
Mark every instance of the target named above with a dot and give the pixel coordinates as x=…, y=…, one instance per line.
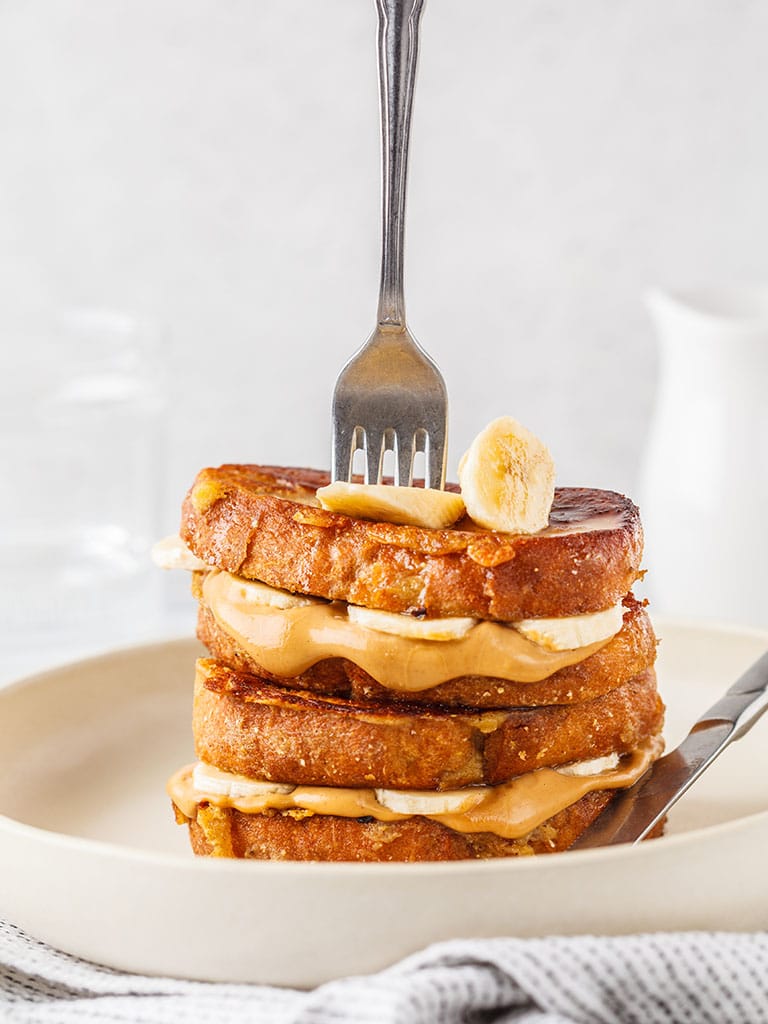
x=251, y=727
x=628, y=653
x=225, y=832
x=259, y=522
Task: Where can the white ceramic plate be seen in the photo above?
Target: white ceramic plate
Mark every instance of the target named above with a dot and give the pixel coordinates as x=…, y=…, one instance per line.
x=92, y=862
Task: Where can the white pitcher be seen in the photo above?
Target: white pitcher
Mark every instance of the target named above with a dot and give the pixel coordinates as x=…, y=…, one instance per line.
x=704, y=491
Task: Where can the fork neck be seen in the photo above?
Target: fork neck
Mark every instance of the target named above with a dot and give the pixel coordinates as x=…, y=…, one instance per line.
x=398, y=43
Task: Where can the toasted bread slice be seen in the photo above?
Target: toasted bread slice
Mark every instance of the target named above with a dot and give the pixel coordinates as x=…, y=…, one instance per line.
x=631, y=651
x=264, y=522
x=250, y=727
x=275, y=835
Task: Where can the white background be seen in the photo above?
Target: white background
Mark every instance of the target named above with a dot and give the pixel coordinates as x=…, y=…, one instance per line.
x=215, y=166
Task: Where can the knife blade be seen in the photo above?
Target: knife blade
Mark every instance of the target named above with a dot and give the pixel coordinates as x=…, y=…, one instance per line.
x=636, y=811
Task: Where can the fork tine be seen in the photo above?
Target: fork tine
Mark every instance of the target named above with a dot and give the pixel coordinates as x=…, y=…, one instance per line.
x=405, y=451
x=434, y=473
x=374, y=454
x=345, y=443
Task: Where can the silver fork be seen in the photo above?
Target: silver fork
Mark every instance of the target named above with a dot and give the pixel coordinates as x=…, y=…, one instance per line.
x=390, y=397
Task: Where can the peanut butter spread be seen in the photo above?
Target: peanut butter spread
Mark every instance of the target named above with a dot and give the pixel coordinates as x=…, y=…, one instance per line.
x=288, y=641
x=511, y=810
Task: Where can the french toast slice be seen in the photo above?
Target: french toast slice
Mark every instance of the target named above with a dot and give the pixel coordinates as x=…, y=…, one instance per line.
x=248, y=726
x=265, y=523
x=629, y=652
x=227, y=832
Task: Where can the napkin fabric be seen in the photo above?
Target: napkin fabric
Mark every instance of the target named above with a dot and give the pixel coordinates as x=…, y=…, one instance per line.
x=690, y=978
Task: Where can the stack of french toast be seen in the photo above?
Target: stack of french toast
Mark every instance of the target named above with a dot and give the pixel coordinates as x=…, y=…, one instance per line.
x=401, y=675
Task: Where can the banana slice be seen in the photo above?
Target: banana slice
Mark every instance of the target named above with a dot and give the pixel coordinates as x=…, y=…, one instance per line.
x=507, y=478
x=207, y=779
x=573, y=631
x=258, y=593
x=407, y=506
x=427, y=801
x=596, y=766
x=405, y=625
x=172, y=553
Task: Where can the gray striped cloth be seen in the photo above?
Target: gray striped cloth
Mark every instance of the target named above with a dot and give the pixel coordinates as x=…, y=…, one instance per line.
x=692, y=977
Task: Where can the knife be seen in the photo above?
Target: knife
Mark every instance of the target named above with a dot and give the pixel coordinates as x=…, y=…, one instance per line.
x=636, y=811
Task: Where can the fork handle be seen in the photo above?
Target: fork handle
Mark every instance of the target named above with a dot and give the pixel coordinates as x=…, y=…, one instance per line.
x=398, y=44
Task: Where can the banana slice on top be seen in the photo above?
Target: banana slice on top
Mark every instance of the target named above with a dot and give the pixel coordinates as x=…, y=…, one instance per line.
x=507, y=478
x=406, y=506
x=407, y=626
